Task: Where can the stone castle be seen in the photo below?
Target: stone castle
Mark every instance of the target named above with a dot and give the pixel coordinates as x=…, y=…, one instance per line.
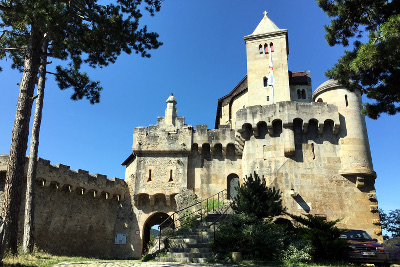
x=312, y=146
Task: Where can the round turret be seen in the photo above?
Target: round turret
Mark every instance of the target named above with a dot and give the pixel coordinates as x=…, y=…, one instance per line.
x=355, y=150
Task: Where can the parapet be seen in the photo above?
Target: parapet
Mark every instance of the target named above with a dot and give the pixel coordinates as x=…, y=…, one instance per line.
x=224, y=139
x=287, y=112
x=61, y=177
x=224, y=135
x=157, y=139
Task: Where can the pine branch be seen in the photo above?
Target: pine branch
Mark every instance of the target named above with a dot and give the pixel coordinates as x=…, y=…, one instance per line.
x=12, y=48
x=5, y=8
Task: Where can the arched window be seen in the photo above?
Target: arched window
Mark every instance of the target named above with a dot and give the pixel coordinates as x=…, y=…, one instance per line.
x=298, y=94
x=271, y=45
x=265, y=81
x=260, y=49
x=303, y=94
x=265, y=48
x=320, y=100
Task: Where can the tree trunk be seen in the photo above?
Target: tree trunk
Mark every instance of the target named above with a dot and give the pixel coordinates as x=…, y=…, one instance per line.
x=20, y=132
x=29, y=219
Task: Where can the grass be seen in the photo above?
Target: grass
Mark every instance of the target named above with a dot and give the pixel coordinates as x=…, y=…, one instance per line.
x=41, y=259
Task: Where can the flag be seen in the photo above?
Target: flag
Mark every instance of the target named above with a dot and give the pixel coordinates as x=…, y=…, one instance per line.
x=270, y=70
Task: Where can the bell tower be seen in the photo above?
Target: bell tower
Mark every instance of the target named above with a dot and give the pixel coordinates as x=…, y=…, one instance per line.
x=267, y=43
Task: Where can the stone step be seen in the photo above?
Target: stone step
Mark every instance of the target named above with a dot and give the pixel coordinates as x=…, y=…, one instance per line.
x=200, y=260
x=177, y=254
x=188, y=255
x=198, y=240
x=172, y=259
x=191, y=250
x=216, y=217
x=196, y=231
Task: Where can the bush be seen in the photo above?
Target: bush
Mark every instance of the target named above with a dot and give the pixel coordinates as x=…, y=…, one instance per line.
x=189, y=219
x=324, y=237
x=256, y=239
x=298, y=251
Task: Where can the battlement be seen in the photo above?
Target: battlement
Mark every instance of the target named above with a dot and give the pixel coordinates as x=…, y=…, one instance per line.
x=287, y=112
x=157, y=139
x=224, y=135
x=222, y=141
x=61, y=177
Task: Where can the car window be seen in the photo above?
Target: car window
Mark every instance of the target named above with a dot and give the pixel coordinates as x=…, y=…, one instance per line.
x=356, y=234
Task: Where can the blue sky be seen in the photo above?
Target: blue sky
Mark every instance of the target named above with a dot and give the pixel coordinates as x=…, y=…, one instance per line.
x=202, y=59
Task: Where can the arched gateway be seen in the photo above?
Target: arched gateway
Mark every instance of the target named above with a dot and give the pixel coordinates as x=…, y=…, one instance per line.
x=154, y=219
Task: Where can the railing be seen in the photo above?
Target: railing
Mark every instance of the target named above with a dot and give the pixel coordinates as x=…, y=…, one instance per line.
x=193, y=215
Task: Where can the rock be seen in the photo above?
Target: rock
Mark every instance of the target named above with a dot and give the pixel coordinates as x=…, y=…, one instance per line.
x=186, y=197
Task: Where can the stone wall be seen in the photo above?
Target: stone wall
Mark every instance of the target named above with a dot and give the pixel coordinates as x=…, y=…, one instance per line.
x=77, y=213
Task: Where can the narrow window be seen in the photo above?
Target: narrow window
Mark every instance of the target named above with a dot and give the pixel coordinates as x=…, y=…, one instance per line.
x=312, y=150
x=265, y=48
x=298, y=94
x=347, y=102
x=260, y=49
x=149, y=180
x=267, y=97
x=271, y=45
x=303, y=94
x=170, y=176
x=265, y=81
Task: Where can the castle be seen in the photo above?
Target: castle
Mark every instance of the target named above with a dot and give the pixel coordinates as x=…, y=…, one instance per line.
x=312, y=146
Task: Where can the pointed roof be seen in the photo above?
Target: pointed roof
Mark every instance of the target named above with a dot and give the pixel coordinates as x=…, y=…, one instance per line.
x=265, y=26
x=171, y=99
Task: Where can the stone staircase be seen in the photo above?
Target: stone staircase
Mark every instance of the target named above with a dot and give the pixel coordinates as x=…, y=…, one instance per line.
x=190, y=245
x=193, y=245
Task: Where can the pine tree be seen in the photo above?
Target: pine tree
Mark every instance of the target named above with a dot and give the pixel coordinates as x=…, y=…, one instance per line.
x=254, y=198
x=374, y=66
x=80, y=32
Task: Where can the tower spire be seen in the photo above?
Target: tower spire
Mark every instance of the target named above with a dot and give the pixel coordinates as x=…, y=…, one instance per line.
x=170, y=111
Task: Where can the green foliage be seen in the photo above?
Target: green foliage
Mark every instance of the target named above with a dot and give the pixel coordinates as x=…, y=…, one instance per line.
x=189, y=219
x=323, y=235
x=254, y=198
x=390, y=222
x=212, y=204
x=374, y=66
x=298, y=251
x=80, y=32
x=154, y=232
x=256, y=239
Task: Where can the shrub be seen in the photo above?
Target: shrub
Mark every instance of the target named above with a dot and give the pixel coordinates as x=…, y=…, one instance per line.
x=298, y=251
x=324, y=237
x=256, y=239
x=254, y=198
x=189, y=219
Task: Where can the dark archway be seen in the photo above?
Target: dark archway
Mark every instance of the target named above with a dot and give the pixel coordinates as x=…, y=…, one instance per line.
x=232, y=184
x=154, y=219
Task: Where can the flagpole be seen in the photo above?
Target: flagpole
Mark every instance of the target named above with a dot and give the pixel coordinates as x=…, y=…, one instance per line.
x=273, y=94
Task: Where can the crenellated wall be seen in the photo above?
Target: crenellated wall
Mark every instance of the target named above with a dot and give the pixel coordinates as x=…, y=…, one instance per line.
x=77, y=213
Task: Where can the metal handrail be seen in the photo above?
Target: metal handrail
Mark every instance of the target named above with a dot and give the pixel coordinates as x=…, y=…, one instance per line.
x=172, y=218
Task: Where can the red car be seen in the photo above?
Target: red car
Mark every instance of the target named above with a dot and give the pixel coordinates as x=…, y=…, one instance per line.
x=365, y=249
